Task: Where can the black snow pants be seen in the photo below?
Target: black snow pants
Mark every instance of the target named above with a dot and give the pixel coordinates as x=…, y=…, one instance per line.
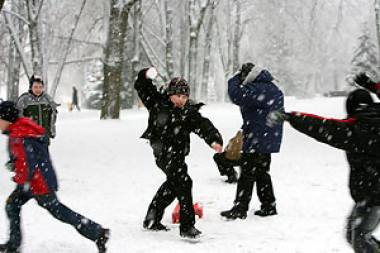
x=361, y=223
x=254, y=169
x=178, y=185
x=225, y=166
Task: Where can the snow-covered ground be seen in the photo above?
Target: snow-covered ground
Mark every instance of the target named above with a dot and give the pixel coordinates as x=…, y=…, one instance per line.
x=108, y=174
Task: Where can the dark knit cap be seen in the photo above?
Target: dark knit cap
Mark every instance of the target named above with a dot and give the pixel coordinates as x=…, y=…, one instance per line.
x=33, y=79
x=8, y=111
x=358, y=100
x=178, y=85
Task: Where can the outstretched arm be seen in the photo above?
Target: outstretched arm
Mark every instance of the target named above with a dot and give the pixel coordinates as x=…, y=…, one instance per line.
x=146, y=90
x=206, y=130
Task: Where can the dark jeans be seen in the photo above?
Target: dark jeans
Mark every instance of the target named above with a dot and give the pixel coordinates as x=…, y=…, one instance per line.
x=178, y=185
x=362, y=221
x=19, y=197
x=225, y=166
x=254, y=169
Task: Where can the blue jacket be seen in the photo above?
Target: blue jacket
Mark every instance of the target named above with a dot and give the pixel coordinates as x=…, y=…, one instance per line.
x=256, y=100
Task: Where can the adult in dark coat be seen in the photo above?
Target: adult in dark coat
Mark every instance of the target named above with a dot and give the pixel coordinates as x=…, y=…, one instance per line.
x=254, y=92
x=36, y=179
x=359, y=136
x=172, y=117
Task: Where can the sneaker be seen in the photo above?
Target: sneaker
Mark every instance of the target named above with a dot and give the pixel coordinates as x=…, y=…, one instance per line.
x=190, y=233
x=154, y=226
x=234, y=213
x=102, y=240
x=232, y=178
x=267, y=211
x=5, y=248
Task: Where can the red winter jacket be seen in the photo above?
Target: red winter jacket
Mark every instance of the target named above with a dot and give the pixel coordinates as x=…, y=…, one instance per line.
x=29, y=150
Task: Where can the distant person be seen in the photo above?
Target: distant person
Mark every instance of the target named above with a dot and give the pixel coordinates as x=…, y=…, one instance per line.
x=35, y=178
x=75, y=101
x=254, y=92
x=38, y=106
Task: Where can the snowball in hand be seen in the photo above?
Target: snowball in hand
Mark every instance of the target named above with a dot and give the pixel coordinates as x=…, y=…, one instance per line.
x=151, y=73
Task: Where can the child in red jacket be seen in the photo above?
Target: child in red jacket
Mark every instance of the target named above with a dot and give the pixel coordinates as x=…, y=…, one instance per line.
x=36, y=179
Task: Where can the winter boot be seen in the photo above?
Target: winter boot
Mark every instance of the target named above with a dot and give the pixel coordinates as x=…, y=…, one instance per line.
x=190, y=233
x=232, y=178
x=154, y=225
x=267, y=210
x=234, y=213
x=102, y=240
x=5, y=248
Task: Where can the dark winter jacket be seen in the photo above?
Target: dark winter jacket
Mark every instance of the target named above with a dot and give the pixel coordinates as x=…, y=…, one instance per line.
x=359, y=136
x=74, y=99
x=257, y=99
x=42, y=109
x=169, y=127
x=28, y=146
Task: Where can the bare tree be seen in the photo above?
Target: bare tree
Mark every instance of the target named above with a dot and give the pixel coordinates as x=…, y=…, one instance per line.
x=114, y=58
x=61, y=64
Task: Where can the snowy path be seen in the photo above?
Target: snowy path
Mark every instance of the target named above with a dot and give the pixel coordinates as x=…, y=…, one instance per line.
x=108, y=174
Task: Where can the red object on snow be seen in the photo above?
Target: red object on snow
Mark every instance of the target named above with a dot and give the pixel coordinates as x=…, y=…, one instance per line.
x=198, y=210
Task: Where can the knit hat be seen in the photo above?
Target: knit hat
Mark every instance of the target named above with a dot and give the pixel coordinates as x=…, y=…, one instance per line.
x=33, y=79
x=178, y=85
x=357, y=101
x=8, y=111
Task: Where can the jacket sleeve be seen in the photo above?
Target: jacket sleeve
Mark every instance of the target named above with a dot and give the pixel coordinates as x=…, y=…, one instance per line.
x=205, y=129
x=334, y=132
x=147, y=92
x=53, y=116
x=21, y=105
x=243, y=95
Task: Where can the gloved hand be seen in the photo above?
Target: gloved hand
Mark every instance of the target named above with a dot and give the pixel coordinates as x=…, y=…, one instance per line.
x=142, y=73
x=245, y=69
x=277, y=117
x=363, y=80
x=10, y=165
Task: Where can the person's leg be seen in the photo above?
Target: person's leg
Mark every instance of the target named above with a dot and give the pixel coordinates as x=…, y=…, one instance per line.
x=13, y=208
x=244, y=189
x=264, y=187
x=226, y=167
x=162, y=199
x=83, y=225
x=361, y=224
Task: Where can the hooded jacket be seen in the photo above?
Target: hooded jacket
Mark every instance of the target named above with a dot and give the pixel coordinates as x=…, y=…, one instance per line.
x=28, y=147
x=257, y=97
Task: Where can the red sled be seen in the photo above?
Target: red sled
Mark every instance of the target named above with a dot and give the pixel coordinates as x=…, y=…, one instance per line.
x=198, y=210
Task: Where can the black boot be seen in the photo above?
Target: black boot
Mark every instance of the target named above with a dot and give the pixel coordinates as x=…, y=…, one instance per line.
x=102, y=240
x=267, y=210
x=232, y=178
x=234, y=213
x=5, y=248
x=154, y=225
x=190, y=233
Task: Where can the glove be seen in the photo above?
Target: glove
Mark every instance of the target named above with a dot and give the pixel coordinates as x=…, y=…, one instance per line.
x=363, y=80
x=245, y=69
x=10, y=165
x=277, y=117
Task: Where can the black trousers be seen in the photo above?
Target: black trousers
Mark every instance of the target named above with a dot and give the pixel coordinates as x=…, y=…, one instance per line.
x=50, y=202
x=178, y=185
x=254, y=169
x=225, y=166
x=361, y=223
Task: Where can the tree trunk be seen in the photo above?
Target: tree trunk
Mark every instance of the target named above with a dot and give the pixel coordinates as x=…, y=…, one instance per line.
x=61, y=64
x=207, y=56
x=236, y=43
x=169, y=39
x=33, y=10
x=377, y=16
x=114, y=59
